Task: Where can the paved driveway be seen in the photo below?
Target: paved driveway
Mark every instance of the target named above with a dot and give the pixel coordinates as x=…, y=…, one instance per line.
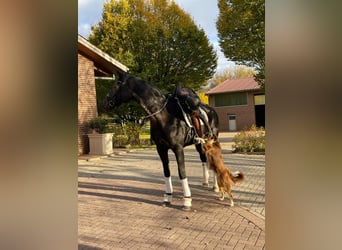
x=120, y=204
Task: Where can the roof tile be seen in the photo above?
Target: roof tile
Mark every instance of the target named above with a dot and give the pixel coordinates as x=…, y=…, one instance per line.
x=234, y=85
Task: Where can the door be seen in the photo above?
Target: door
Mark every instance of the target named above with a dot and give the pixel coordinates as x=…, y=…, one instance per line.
x=259, y=102
x=232, y=122
x=260, y=115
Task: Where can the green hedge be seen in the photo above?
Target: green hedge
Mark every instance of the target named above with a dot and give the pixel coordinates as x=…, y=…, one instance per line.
x=252, y=140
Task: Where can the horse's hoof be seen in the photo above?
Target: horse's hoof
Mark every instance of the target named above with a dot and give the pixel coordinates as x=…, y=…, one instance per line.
x=166, y=203
x=167, y=200
x=187, y=203
x=206, y=185
x=186, y=208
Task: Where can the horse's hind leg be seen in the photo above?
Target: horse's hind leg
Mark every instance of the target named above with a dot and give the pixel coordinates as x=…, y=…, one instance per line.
x=215, y=185
x=206, y=170
x=167, y=175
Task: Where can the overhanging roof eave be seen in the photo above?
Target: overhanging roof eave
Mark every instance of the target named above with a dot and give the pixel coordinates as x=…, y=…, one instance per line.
x=101, y=59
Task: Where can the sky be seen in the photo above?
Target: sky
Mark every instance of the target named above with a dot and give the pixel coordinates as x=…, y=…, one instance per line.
x=203, y=12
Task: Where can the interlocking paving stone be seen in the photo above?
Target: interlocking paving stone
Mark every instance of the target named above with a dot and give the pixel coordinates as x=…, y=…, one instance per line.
x=120, y=205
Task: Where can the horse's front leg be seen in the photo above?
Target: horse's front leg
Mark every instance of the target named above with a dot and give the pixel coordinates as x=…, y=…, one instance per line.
x=163, y=154
x=179, y=153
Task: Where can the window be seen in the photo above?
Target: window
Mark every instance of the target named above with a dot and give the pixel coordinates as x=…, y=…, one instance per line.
x=231, y=117
x=259, y=100
x=231, y=99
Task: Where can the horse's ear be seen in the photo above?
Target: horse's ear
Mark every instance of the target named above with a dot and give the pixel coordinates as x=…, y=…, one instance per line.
x=121, y=76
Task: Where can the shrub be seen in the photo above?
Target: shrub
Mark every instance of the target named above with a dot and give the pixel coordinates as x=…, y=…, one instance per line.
x=100, y=124
x=131, y=135
x=133, y=131
x=250, y=141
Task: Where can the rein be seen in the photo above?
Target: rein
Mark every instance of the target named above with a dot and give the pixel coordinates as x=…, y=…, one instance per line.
x=157, y=112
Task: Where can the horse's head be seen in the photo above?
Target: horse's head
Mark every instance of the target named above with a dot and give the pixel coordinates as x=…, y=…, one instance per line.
x=119, y=94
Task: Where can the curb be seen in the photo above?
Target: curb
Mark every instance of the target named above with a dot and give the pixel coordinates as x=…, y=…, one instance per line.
x=255, y=218
x=88, y=158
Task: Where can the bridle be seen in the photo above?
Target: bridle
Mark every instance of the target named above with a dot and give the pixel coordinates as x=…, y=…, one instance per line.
x=110, y=102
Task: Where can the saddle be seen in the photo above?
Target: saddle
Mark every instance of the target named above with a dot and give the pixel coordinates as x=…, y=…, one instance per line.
x=194, y=120
x=189, y=103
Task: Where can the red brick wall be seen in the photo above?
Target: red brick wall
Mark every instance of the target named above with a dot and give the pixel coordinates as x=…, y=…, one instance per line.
x=245, y=114
x=87, y=108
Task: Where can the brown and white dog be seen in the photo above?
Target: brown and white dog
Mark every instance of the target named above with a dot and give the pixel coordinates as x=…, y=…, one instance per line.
x=225, y=178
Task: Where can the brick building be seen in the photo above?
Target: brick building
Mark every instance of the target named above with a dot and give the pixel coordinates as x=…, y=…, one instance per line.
x=92, y=62
x=239, y=103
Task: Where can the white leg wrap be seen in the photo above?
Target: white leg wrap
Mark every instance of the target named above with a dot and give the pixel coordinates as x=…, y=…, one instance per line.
x=168, y=185
x=205, y=174
x=186, y=189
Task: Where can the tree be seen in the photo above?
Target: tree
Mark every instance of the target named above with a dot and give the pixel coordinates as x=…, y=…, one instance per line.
x=157, y=40
x=111, y=32
x=204, y=98
x=241, y=32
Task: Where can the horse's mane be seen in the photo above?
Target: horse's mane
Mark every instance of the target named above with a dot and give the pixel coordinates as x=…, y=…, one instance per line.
x=148, y=86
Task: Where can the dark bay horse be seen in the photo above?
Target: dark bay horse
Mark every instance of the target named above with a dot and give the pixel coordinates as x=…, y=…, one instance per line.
x=168, y=128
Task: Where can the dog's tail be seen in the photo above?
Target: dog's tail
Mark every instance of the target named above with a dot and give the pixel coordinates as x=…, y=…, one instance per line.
x=237, y=177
